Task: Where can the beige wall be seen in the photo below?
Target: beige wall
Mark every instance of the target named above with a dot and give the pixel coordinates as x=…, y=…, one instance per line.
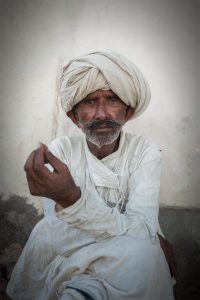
x=160, y=36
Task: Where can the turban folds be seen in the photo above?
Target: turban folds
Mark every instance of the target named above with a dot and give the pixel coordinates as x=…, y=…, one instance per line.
x=104, y=70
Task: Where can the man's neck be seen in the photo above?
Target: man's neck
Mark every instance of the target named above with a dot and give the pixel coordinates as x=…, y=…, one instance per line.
x=104, y=150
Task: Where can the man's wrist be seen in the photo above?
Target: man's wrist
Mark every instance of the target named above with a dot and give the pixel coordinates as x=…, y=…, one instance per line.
x=73, y=195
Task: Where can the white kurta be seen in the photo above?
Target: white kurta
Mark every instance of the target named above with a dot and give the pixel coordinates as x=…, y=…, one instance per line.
x=107, y=241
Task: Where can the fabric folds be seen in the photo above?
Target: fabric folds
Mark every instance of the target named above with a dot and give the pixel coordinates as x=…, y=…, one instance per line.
x=104, y=70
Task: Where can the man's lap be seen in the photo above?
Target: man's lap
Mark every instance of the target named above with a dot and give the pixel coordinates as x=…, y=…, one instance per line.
x=123, y=263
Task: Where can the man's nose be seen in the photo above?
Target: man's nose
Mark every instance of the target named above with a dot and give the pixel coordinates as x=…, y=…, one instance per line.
x=101, y=111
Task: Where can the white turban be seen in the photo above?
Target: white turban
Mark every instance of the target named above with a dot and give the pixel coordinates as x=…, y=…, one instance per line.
x=104, y=70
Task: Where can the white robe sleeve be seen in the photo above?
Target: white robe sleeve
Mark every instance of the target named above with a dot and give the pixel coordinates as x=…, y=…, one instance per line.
x=92, y=214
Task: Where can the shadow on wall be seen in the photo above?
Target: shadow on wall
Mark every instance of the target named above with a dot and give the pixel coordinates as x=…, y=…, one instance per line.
x=180, y=226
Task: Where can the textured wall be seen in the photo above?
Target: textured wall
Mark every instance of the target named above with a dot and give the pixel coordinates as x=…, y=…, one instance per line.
x=161, y=37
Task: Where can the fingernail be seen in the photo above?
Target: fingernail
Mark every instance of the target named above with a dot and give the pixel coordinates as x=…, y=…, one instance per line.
x=40, y=144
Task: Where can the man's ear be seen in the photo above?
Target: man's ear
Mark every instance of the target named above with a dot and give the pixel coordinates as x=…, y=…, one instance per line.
x=73, y=116
x=129, y=112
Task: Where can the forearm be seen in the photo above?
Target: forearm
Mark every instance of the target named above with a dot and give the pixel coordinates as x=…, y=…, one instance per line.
x=92, y=214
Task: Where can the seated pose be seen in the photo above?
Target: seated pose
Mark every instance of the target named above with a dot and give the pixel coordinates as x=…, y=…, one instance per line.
x=100, y=237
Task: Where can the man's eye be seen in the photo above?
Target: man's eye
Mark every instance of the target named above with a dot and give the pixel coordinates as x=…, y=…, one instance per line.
x=89, y=101
x=113, y=99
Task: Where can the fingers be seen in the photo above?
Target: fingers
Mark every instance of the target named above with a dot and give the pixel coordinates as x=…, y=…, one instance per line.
x=56, y=163
x=34, y=165
x=28, y=168
x=29, y=162
x=39, y=162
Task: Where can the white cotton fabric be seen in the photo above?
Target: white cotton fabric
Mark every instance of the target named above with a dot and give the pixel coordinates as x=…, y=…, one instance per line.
x=104, y=70
x=109, y=235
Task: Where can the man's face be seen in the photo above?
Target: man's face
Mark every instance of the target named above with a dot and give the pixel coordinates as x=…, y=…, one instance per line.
x=101, y=116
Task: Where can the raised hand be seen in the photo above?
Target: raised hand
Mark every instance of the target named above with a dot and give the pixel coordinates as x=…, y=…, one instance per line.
x=58, y=185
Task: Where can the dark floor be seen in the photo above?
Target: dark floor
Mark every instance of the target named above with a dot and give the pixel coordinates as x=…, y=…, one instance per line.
x=180, y=226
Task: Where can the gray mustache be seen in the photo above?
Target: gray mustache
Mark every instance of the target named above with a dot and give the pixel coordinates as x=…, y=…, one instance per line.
x=98, y=123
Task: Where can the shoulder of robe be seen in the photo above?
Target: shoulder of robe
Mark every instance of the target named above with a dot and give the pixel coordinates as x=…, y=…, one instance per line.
x=142, y=148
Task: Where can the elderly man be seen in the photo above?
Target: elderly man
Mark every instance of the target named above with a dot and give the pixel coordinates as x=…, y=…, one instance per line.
x=99, y=237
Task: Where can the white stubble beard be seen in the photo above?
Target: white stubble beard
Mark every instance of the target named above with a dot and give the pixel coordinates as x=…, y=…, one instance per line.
x=101, y=139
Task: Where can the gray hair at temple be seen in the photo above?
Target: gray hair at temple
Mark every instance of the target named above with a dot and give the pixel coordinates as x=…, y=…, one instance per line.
x=104, y=70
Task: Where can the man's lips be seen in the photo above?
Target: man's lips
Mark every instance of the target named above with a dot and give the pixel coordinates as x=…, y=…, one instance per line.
x=102, y=128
